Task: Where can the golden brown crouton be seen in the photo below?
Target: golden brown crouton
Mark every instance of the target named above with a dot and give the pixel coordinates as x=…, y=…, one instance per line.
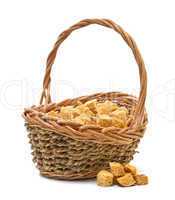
x=91, y=105
x=106, y=107
x=68, y=112
x=104, y=120
x=117, y=169
x=123, y=108
x=82, y=119
x=141, y=179
x=126, y=180
x=52, y=114
x=131, y=169
x=104, y=178
x=82, y=109
x=118, y=122
x=120, y=114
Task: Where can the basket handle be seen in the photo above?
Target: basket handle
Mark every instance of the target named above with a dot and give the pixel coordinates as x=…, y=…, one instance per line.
x=45, y=96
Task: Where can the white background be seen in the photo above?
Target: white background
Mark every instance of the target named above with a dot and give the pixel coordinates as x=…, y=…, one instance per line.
x=92, y=59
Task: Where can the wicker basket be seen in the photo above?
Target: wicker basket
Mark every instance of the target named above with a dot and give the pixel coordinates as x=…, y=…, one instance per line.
x=67, y=150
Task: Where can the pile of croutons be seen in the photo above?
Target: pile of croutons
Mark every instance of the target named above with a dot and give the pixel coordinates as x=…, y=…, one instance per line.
x=123, y=175
x=104, y=114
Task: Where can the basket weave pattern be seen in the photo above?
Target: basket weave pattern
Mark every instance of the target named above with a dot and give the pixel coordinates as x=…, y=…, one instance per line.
x=67, y=150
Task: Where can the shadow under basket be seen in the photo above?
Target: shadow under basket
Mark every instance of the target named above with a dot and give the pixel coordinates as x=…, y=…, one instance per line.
x=68, y=150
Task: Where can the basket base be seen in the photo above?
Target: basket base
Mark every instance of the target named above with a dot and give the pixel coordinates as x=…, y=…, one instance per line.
x=57, y=176
x=62, y=157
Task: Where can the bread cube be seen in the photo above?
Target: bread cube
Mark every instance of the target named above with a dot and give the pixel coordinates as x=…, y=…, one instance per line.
x=91, y=105
x=123, y=108
x=104, y=120
x=117, y=169
x=106, y=107
x=126, y=180
x=118, y=122
x=52, y=114
x=141, y=179
x=130, y=169
x=82, y=109
x=82, y=119
x=68, y=112
x=120, y=114
x=104, y=178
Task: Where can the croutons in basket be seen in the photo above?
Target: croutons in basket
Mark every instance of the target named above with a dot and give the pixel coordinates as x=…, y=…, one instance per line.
x=67, y=149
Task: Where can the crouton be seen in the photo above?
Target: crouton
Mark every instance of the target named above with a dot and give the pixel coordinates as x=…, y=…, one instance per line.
x=126, y=180
x=141, y=179
x=120, y=114
x=68, y=112
x=104, y=178
x=106, y=107
x=91, y=105
x=82, y=109
x=118, y=122
x=104, y=120
x=82, y=119
x=117, y=169
x=130, y=169
x=52, y=114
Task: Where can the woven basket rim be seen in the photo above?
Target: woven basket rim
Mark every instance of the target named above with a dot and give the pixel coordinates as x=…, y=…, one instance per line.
x=35, y=116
